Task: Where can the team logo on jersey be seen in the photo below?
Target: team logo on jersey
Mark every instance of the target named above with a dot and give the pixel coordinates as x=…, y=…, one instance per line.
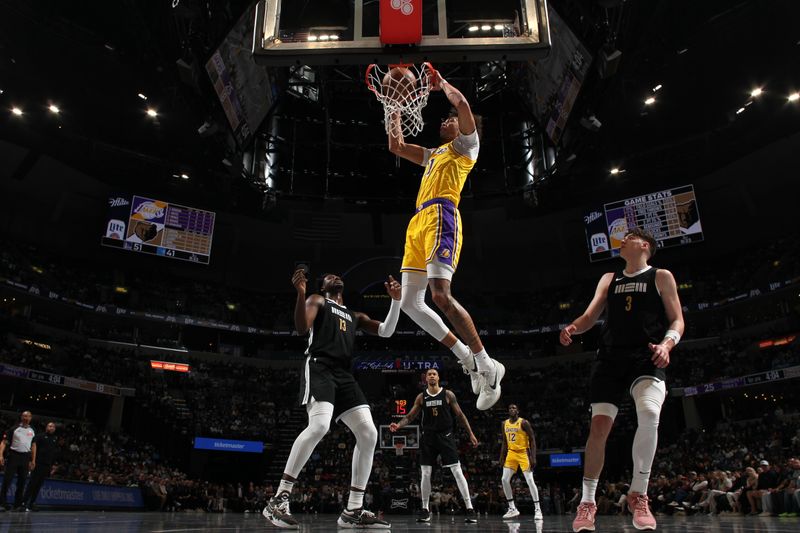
x=444, y=253
x=630, y=287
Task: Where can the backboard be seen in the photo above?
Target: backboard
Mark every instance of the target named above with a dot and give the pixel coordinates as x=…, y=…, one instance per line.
x=331, y=32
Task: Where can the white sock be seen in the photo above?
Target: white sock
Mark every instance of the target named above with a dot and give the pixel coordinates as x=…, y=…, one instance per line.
x=425, y=485
x=511, y=505
x=356, y=500
x=463, y=353
x=589, y=488
x=484, y=362
x=285, y=486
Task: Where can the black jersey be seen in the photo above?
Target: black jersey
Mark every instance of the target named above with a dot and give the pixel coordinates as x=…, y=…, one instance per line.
x=436, y=415
x=635, y=312
x=333, y=334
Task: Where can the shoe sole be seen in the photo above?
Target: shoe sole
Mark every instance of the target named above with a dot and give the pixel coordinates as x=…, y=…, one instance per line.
x=501, y=372
x=584, y=528
x=277, y=522
x=644, y=528
x=425, y=520
x=511, y=517
x=350, y=525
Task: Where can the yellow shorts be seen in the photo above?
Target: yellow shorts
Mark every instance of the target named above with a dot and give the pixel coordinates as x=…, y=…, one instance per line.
x=434, y=233
x=517, y=459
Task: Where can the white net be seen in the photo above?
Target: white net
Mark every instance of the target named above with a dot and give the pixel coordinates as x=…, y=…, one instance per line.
x=403, y=90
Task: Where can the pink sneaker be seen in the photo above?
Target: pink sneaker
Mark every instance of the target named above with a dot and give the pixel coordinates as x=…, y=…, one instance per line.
x=584, y=520
x=639, y=508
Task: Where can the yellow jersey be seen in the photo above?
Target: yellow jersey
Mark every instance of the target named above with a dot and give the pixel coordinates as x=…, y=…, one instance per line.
x=516, y=438
x=446, y=170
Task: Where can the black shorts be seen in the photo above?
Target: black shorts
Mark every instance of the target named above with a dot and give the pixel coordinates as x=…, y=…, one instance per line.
x=615, y=373
x=434, y=444
x=328, y=383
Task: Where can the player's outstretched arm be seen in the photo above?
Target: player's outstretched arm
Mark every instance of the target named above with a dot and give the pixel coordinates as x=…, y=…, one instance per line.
x=665, y=282
x=461, y=417
x=385, y=328
x=528, y=428
x=398, y=146
x=466, y=121
x=305, y=310
x=592, y=313
x=412, y=414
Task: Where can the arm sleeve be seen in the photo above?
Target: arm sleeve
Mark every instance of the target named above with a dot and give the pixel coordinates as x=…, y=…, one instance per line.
x=386, y=328
x=467, y=145
x=426, y=157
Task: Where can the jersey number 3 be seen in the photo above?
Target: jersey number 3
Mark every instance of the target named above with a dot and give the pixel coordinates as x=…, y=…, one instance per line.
x=628, y=303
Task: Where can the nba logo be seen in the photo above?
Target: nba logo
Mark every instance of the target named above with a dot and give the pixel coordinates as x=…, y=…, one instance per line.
x=599, y=242
x=115, y=229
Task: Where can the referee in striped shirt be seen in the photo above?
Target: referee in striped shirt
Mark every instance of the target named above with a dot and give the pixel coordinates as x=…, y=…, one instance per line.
x=22, y=450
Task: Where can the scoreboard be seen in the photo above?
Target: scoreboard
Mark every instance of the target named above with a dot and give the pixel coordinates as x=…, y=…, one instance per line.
x=671, y=216
x=140, y=224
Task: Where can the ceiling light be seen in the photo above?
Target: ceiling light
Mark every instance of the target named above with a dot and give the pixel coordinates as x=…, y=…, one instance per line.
x=312, y=37
x=657, y=88
x=740, y=110
x=682, y=51
x=143, y=97
x=473, y=28
x=756, y=92
x=152, y=112
x=616, y=170
x=794, y=97
x=498, y=27
x=323, y=37
x=185, y=176
x=54, y=109
x=486, y=27
x=17, y=111
x=651, y=100
x=334, y=37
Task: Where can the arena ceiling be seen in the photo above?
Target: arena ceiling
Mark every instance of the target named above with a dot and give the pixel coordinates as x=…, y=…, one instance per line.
x=93, y=61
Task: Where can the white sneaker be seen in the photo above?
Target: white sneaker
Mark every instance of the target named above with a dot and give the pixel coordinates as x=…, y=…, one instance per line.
x=511, y=513
x=474, y=376
x=490, y=392
x=538, y=514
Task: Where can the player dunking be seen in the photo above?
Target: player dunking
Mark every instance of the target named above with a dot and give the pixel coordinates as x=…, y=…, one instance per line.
x=644, y=322
x=518, y=451
x=433, y=240
x=439, y=406
x=329, y=391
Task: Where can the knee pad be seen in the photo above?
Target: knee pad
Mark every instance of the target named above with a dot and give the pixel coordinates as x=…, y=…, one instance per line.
x=426, y=470
x=649, y=395
x=319, y=418
x=360, y=423
x=605, y=409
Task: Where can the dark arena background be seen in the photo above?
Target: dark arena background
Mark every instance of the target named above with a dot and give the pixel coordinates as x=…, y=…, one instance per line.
x=166, y=165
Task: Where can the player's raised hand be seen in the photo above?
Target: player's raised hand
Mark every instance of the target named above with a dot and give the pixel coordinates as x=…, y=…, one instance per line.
x=660, y=355
x=566, y=334
x=393, y=427
x=393, y=288
x=436, y=80
x=299, y=280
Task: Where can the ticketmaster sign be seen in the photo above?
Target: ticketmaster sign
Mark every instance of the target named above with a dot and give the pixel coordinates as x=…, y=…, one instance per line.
x=227, y=445
x=75, y=494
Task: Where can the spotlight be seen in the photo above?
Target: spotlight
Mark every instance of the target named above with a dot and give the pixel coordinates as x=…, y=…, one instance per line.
x=323, y=37
x=486, y=27
x=650, y=101
x=756, y=92
x=615, y=171
x=657, y=88
x=17, y=111
x=54, y=109
x=473, y=28
x=143, y=97
x=152, y=112
x=498, y=27
x=794, y=97
x=185, y=176
x=312, y=37
x=334, y=37
x=740, y=111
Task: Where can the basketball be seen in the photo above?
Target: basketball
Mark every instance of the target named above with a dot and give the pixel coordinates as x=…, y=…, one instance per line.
x=398, y=83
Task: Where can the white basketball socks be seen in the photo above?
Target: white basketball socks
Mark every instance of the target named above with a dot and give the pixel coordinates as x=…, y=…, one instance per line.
x=589, y=489
x=285, y=486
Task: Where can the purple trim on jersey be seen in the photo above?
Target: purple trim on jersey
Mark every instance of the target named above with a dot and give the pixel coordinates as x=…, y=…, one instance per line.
x=448, y=234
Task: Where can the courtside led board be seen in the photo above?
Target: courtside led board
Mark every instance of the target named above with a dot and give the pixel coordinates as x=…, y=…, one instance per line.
x=671, y=216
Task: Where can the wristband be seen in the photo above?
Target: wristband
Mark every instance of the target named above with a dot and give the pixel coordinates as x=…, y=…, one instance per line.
x=673, y=335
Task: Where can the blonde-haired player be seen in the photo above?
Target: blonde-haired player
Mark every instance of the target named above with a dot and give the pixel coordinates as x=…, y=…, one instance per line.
x=518, y=451
x=434, y=240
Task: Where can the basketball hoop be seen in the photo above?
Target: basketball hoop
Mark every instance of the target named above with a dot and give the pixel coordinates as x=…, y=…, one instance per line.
x=406, y=103
x=398, y=448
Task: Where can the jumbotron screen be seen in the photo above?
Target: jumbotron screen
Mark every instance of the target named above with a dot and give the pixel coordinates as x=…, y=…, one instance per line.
x=671, y=216
x=140, y=224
